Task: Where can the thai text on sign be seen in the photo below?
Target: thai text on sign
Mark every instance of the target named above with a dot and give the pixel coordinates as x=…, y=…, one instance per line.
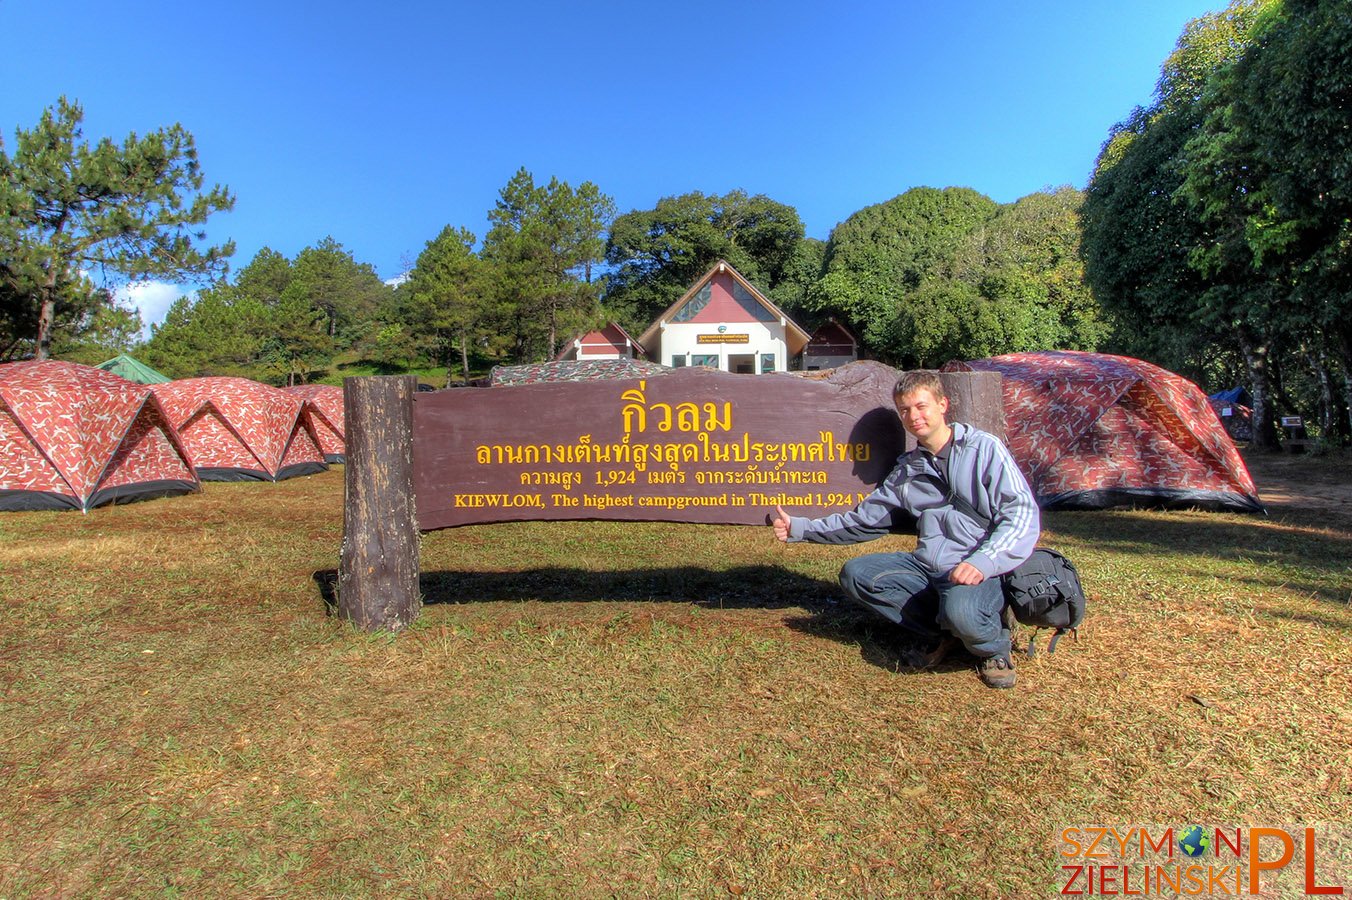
x=693, y=445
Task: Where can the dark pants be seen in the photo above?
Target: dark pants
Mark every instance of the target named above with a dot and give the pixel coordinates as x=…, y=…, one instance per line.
x=894, y=586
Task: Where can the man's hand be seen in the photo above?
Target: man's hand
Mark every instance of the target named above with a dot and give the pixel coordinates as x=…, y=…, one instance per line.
x=780, y=521
x=966, y=573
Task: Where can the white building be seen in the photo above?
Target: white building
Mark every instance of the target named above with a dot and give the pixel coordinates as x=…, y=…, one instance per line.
x=725, y=323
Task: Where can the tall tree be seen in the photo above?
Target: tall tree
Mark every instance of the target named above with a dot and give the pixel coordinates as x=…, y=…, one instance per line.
x=132, y=209
x=1163, y=268
x=1029, y=256
x=219, y=332
x=934, y=275
x=448, y=301
x=347, y=293
x=878, y=258
x=80, y=305
x=105, y=330
x=543, y=242
x=657, y=254
x=1269, y=172
x=266, y=277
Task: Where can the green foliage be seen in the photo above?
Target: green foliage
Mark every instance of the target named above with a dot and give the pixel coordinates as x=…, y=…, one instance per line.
x=266, y=277
x=1270, y=170
x=657, y=254
x=222, y=331
x=296, y=342
x=67, y=207
x=543, y=244
x=450, y=307
x=1217, y=219
x=104, y=331
x=86, y=320
x=934, y=275
x=325, y=277
x=799, y=274
x=280, y=322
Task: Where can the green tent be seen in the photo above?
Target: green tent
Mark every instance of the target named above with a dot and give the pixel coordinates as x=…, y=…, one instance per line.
x=133, y=370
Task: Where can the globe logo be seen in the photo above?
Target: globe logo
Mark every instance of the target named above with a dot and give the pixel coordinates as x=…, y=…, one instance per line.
x=1195, y=841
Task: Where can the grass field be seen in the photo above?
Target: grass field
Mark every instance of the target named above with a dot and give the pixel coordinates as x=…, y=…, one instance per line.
x=603, y=709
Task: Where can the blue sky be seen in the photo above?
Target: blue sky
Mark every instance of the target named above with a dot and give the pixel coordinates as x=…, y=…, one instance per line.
x=380, y=123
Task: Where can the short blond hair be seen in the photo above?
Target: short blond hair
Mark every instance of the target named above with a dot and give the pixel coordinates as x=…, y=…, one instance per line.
x=915, y=380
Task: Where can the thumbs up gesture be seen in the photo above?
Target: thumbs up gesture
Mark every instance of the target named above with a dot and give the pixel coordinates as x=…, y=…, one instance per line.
x=780, y=521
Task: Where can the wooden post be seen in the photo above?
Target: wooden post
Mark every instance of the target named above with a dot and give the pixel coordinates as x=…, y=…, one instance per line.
x=378, y=572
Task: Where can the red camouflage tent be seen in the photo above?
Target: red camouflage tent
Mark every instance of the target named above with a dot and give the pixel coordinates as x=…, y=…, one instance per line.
x=241, y=430
x=328, y=417
x=1091, y=431
x=76, y=437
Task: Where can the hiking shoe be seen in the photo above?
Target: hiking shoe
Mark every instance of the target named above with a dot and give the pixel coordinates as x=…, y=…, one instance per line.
x=921, y=658
x=996, y=672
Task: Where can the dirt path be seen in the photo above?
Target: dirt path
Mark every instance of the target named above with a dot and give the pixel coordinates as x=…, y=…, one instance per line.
x=1296, y=483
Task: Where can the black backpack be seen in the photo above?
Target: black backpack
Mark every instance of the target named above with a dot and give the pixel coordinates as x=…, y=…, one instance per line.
x=1045, y=592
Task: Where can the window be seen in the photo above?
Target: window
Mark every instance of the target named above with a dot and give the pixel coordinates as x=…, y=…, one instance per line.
x=678, y=360
x=704, y=359
x=695, y=305
x=767, y=363
x=750, y=305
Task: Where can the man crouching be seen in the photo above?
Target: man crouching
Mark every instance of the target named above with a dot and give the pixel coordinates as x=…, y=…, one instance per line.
x=976, y=519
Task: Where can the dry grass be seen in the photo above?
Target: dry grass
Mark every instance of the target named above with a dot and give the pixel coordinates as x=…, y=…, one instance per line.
x=597, y=709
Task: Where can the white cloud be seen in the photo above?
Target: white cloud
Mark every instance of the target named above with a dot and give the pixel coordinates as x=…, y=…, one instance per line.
x=152, y=298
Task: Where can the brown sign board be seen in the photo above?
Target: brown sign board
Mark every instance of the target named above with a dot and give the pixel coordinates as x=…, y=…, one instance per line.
x=694, y=445
x=722, y=338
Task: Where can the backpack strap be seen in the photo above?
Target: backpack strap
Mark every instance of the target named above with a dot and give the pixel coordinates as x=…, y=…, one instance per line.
x=1073, y=632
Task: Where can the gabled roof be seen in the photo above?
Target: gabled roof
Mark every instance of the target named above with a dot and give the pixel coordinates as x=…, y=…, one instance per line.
x=615, y=327
x=794, y=336
x=826, y=329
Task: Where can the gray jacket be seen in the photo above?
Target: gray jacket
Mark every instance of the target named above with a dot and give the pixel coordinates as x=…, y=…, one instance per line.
x=981, y=471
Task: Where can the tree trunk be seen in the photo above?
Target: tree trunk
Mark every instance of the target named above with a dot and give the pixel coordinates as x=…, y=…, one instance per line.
x=378, y=573
x=464, y=358
x=976, y=398
x=553, y=327
x=1264, y=422
x=1327, y=405
x=1343, y=361
x=46, y=321
x=1346, y=418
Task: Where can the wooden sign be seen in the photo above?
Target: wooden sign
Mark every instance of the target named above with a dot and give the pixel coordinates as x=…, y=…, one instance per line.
x=695, y=445
x=691, y=446
x=723, y=339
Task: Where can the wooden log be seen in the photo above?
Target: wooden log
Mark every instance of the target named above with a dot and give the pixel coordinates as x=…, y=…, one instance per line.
x=378, y=572
x=974, y=398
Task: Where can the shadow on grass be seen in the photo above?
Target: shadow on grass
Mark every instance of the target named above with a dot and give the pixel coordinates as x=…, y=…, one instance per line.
x=828, y=615
x=1284, y=544
x=747, y=587
x=1306, y=619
